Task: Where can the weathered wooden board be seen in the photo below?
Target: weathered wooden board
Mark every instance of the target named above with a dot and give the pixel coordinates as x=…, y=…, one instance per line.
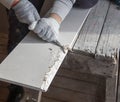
x=111, y=89
x=45, y=99
x=3, y=46
x=3, y=21
x=88, y=64
x=34, y=63
x=3, y=84
x=3, y=94
x=76, y=75
x=110, y=36
x=68, y=95
x=91, y=30
x=76, y=82
x=3, y=33
x=118, y=88
x=31, y=95
x=75, y=85
x=112, y=84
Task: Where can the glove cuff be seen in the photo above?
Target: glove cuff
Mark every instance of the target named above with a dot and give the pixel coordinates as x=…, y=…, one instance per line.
x=62, y=7
x=20, y=5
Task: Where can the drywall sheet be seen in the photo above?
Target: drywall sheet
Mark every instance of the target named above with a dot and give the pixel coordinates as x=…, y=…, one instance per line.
x=34, y=63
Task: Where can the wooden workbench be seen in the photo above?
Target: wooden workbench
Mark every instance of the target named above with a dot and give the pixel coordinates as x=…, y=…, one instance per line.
x=95, y=53
x=100, y=37
x=96, y=48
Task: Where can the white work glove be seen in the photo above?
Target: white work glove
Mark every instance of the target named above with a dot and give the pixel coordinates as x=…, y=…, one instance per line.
x=47, y=29
x=26, y=12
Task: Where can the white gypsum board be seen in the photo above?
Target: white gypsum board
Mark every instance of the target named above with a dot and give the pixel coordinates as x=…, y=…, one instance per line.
x=34, y=63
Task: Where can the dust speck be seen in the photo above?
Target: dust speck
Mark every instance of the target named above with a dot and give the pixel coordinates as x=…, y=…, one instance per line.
x=50, y=49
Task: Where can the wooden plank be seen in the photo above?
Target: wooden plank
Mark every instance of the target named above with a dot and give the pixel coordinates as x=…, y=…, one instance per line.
x=91, y=30
x=86, y=64
x=4, y=93
x=34, y=63
x=3, y=46
x=4, y=85
x=110, y=37
x=111, y=89
x=93, y=79
x=80, y=63
x=46, y=99
x=75, y=85
x=4, y=20
x=112, y=84
x=31, y=95
x=118, y=87
x=68, y=96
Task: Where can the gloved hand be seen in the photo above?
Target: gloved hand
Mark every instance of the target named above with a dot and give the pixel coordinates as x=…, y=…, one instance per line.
x=47, y=29
x=26, y=12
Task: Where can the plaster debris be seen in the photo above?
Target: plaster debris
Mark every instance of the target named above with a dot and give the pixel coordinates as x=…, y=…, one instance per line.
x=50, y=49
x=54, y=64
x=67, y=48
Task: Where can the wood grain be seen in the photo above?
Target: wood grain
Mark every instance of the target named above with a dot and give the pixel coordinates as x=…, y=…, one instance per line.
x=67, y=95
x=46, y=99
x=3, y=50
x=110, y=36
x=91, y=30
x=4, y=21
x=75, y=75
x=75, y=85
x=90, y=65
x=3, y=33
x=3, y=46
x=111, y=89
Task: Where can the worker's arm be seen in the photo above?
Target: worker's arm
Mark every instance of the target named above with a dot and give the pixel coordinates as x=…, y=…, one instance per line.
x=48, y=28
x=7, y=3
x=61, y=8
x=24, y=10
x=15, y=2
